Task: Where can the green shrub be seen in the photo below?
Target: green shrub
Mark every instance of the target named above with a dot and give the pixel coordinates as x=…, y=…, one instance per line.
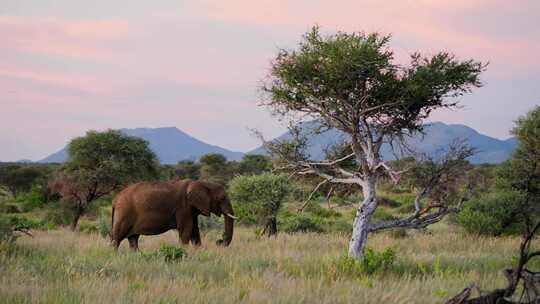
x=387, y=202
x=338, y=225
x=260, y=197
x=12, y=226
x=211, y=222
x=370, y=263
x=301, y=223
x=381, y=214
x=493, y=214
x=58, y=215
x=104, y=223
x=171, y=253
x=406, y=208
x=88, y=227
x=316, y=209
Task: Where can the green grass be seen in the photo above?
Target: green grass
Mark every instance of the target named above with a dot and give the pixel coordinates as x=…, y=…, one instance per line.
x=60, y=266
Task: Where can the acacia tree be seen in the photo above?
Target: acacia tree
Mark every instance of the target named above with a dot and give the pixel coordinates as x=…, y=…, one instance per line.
x=99, y=164
x=351, y=82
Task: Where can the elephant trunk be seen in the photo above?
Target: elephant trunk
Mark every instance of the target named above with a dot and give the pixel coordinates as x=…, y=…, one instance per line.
x=229, y=224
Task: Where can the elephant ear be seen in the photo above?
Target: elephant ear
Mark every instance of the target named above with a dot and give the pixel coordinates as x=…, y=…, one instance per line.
x=198, y=196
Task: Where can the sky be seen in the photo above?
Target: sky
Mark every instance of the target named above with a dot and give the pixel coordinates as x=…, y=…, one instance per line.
x=68, y=66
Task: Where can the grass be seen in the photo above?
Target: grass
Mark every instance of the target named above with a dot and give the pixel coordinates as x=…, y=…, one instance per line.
x=60, y=266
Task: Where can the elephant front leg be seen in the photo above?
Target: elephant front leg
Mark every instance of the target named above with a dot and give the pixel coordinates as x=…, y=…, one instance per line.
x=185, y=230
x=195, y=234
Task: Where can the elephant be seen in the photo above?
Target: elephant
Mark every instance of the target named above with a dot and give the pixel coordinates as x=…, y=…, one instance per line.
x=150, y=208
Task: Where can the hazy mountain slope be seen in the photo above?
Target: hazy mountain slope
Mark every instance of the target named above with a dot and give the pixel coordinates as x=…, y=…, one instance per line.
x=437, y=136
x=170, y=145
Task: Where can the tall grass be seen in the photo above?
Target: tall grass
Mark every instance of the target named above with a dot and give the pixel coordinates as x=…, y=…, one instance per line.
x=59, y=266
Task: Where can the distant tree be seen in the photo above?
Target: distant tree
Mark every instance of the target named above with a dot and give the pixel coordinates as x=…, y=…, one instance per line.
x=17, y=179
x=254, y=164
x=100, y=163
x=260, y=196
x=214, y=168
x=188, y=169
x=351, y=83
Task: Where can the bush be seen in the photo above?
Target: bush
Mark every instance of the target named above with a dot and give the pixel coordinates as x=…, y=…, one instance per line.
x=388, y=202
x=493, y=214
x=11, y=227
x=168, y=253
x=316, y=209
x=58, y=215
x=370, y=263
x=301, y=223
x=382, y=214
x=88, y=227
x=260, y=197
x=104, y=223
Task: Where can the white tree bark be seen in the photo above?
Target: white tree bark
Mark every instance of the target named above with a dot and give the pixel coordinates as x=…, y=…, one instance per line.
x=363, y=216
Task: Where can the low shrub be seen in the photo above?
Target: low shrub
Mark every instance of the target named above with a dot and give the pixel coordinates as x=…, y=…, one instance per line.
x=168, y=253
x=301, y=223
x=88, y=226
x=388, y=202
x=58, y=215
x=11, y=227
x=104, y=223
x=493, y=214
x=370, y=263
x=381, y=214
x=316, y=209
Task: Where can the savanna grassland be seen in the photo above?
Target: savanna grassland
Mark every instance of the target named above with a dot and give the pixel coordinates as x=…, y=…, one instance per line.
x=61, y=266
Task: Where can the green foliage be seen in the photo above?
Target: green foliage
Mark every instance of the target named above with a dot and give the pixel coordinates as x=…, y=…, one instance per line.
x=370, y=263
x=316, y=209
x=19, y=178
x=88, y=227
x=387, y=202
x=259, y=195
x=11, y=227
x=104, y=223
x=493, y=214
x=58, y=214
x=168, y=253
x=337, y=73
x=301, y=222
x=214, y=168
x=188, y=169
x=382, y=214
x=254, y=164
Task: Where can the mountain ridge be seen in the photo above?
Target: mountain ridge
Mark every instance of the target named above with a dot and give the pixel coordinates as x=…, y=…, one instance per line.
x=169, y=143
x=436, y=135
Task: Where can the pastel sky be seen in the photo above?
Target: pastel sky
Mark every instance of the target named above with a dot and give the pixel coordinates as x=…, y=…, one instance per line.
x=67, y=66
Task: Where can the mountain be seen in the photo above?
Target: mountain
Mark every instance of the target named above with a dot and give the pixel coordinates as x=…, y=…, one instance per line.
x=170, y=145
x=437, y=135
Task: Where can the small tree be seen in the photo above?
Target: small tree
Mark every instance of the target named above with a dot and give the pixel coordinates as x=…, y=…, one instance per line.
x=188, y=169
x=351, y=83
x=100, y=163
x=261, y=196
x=254, y=164
x=214, y=168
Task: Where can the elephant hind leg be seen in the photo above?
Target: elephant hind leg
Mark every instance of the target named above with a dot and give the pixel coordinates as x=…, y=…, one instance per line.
x=134, y=242
x=120, y=231
x=195, y=234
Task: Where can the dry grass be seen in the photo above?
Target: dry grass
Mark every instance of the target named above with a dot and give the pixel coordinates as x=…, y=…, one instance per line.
x=64, y=267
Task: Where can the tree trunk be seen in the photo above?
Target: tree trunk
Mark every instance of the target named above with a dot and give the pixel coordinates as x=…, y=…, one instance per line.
x=75, y=221
x=363, y=216
x=270, y=228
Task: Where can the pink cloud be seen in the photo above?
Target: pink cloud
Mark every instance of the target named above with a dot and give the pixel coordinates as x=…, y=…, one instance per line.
x=59, y=37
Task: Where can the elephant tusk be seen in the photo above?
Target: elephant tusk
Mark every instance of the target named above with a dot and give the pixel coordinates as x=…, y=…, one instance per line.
x=231, y=216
